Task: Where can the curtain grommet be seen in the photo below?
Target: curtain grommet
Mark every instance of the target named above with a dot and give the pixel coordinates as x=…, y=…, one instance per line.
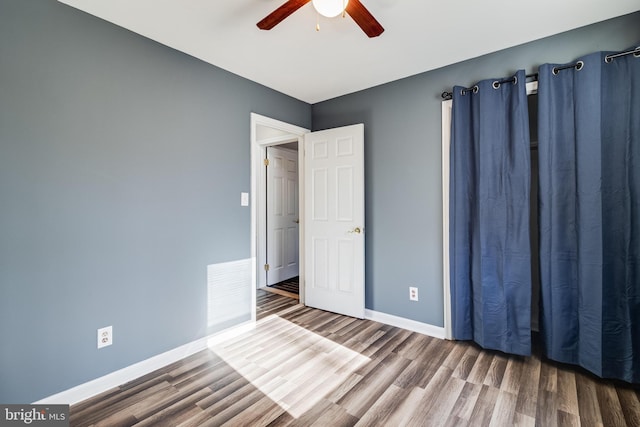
x=579, y=65
x=637, y=52
x=475, y=89
x=496, y=84
x=515, y=80
x=555, y=70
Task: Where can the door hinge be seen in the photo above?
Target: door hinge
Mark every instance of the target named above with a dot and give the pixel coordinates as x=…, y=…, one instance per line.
x=266, y=267
x=266, y=162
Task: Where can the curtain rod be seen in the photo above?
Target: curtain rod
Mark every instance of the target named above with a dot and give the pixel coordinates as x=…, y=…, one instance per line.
x=449, y=95
x=446, y=95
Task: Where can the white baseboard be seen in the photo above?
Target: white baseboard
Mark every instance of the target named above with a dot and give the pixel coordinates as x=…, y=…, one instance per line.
x=124, y=375
x=401, y=322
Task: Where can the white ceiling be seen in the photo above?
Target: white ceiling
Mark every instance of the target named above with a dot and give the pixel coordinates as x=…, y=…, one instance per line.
x=293, y=58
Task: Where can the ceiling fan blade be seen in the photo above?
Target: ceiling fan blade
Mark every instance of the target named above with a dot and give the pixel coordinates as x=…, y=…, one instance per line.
x=364, y=18
x=278, y=15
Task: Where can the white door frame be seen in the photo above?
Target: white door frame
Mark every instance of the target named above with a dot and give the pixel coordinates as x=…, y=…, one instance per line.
x=290, y=133
x=532, y=88
x=446, y=279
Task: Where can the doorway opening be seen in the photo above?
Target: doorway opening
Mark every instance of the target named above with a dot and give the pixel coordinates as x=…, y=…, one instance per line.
x=267, y=132
x=331, y=213
x=283, y=220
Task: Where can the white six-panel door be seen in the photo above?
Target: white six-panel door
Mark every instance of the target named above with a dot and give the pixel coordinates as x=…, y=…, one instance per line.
x=282, y=215
x=334, y=220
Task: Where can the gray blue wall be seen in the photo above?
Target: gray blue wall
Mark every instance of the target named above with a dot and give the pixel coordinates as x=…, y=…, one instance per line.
x=121, y=167
x=403, y=161
x=121, y=164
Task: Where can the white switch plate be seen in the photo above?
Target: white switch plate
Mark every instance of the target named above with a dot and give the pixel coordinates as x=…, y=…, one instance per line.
x=244, y=199
x=105, y=336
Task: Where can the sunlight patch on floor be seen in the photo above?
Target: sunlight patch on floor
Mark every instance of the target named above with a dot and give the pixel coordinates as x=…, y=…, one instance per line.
x=292, y=366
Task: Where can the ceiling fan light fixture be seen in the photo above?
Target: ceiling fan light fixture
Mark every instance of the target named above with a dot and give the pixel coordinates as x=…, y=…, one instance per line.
x=330, y=8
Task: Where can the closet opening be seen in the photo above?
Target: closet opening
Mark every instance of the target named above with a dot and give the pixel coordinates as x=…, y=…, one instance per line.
x=532, y=98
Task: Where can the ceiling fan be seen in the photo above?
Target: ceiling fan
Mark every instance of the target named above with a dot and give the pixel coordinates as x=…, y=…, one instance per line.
x=329, y=8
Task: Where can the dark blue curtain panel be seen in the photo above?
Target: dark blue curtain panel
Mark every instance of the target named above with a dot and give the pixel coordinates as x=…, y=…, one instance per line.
x=490, y=254
x=589, y=154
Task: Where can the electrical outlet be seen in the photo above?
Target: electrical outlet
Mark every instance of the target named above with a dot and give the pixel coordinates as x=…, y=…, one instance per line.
x=105, y=336
x=413, y=294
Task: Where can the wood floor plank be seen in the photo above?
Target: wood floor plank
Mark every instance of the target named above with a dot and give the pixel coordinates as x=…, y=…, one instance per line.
x=588, y=400
x=379, y=340
x=454, y=421
x=444, y=402
x=412, y=375
x=116, y=399
x=512, y=373
x=335, y=416
x=309, y=385
x=566, y=419
x=504, y=410
x=360, y=336
x=189, y=372
x=567, y=393
x=413, y=346
x=394, y=340
x=154, y=401
x=323, y=323
x=480, y=368
x=453, y=357
x=344, y=387
x=610, y=408
x=348, y=328
x=529, y=384
x=174, y=409
x=203, y=376
x=179, y=417
x=232, y=384
x=630, y=405
x=272, y=338
x=467, y=400
x=466, y=363
x=406, y=408
x=384, y=407
x=430, y=396
x=241, y=404
x=117, y=408
x=548, y=377
x=301, y=367
x=303, y=398
x=496, y=370
x=521, y=420
x=225, y=407
x=273, y=307
x=363, y=395
x=436, y=353
x=483, y=410
x=321, y=407
x=340, y=323
x=547, y=408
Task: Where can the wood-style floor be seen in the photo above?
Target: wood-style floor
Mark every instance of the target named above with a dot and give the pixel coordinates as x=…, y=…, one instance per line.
x=306, y=367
